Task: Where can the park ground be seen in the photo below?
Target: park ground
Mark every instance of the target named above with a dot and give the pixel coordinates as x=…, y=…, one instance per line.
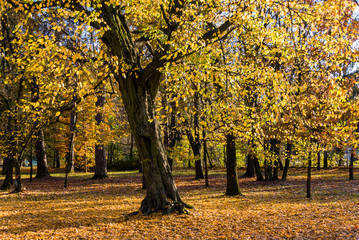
x=99, y=209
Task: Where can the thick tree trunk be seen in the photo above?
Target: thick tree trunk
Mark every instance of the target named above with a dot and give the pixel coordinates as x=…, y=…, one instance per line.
x=287, y=161
x=250, y=171
x=8, y=166
x=100, y=154
x=100, y=162
x=157, y=172
x=41, y=156
x=325, y=160
x=139, y=88
x=351, y=165
x=232, y=179
x=162, y=193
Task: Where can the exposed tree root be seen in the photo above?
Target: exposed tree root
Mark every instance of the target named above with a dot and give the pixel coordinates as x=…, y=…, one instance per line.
x=169, y=208
x=99, y=177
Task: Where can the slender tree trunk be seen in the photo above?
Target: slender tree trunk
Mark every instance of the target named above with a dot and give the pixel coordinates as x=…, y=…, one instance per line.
x=275, y=170
x=287, y=161
x=189, y=153
x=232, y=179
x=173, y=134
x=340, y=162
x=309, y=176
x=31, y=159
x=131, y=148
x=100, y=154
x=351, y=165
x=268, y=163
x=318, y=161
x=110, y=155
x=205, y=157
x=280, y=164
x=169, y=130
x=275, y=149
x=17, y=182
x=57, y=159
x=325, y=160
x=197, y=142
x=196, y=148
x=209, y=159
x=266, y=175
x=8, y=166
x=41, y=156
x=70, y=156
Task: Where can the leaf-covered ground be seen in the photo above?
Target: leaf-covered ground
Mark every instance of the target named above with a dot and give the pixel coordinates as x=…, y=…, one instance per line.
x=97, y=209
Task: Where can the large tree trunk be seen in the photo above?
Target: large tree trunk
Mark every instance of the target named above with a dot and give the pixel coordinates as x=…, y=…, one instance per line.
x=100, y=162
x=100, y=154
x=250, y=171
x=146, y=130
x=232, y=179
x=41, y=157
x=8, y=166
x=139, y=88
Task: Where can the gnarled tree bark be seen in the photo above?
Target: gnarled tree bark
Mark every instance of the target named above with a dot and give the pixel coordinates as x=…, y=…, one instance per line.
x=138, y=91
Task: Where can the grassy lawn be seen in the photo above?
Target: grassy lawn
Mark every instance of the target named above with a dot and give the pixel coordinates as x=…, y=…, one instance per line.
x=97, y=209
